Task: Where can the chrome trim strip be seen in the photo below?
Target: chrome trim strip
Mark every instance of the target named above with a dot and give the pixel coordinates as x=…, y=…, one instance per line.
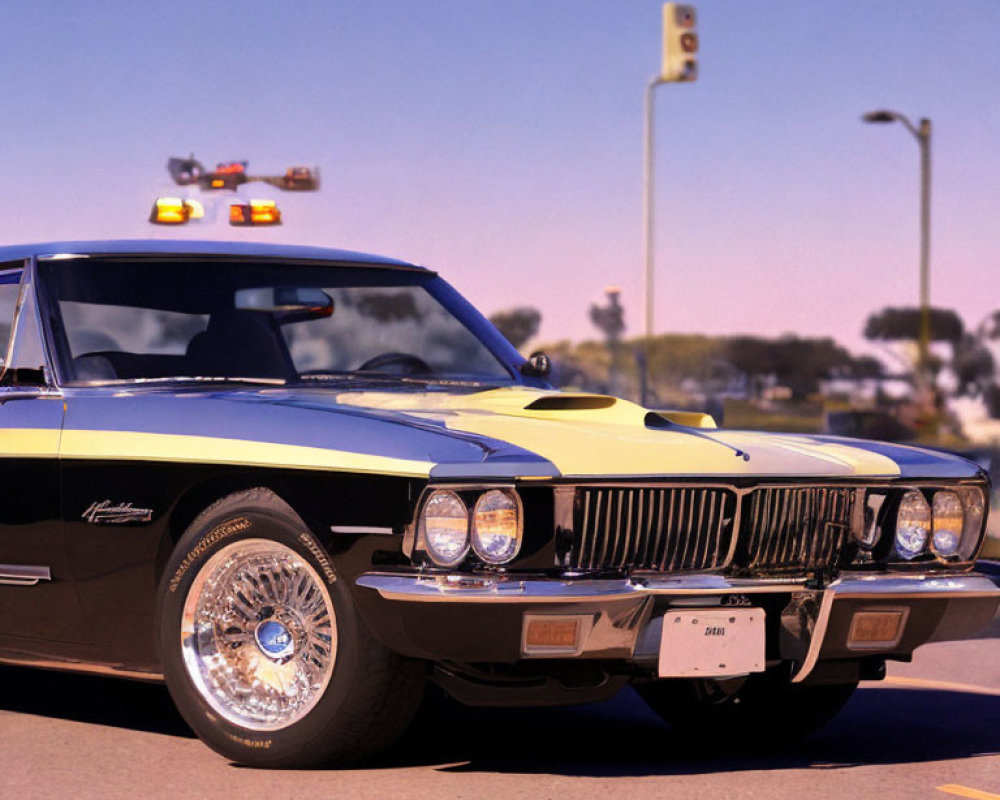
x=769, y=482
x=80, y=666
x=23, y=574
x=970, y=585
x=473, y=589
x=889, y=587
x=816, y=638
x=361, y=529
x=470, y=588
x=465, y=589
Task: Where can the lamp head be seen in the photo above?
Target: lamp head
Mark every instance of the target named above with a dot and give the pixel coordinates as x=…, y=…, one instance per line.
x=880, y=116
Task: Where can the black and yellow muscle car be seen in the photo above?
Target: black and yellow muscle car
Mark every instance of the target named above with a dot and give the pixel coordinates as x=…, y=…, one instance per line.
x=296, y=484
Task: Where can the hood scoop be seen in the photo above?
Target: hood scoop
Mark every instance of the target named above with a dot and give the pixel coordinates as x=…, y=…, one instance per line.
x=571, y=402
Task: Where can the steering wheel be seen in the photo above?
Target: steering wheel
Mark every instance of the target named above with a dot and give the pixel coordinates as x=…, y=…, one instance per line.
x=397, y=364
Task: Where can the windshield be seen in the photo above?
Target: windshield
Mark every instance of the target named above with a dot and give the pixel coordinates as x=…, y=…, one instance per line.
x=144, y=320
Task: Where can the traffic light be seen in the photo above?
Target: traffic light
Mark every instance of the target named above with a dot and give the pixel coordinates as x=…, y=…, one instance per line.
x=175, y=210
x=680, y=43
x=256, y=212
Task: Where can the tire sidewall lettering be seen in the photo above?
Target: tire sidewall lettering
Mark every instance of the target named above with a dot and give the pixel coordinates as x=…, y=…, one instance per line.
x=214, y=536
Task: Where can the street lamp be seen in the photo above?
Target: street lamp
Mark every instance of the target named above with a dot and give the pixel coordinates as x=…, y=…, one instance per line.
x=922, y=133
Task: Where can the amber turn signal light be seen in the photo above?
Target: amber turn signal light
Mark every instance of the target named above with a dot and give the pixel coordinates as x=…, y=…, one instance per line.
x=175, y=211
x=256, y=212
x=544, y=634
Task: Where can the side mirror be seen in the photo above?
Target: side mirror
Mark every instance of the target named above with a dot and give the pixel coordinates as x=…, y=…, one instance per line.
x=538, y=365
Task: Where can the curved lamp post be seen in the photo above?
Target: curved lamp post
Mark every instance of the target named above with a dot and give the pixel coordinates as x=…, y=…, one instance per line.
x=922, y=133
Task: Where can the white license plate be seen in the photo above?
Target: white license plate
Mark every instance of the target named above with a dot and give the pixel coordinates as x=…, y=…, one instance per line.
x=712, y=642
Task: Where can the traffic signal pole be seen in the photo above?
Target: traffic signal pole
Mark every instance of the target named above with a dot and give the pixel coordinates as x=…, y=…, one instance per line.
x=648, y=205
x=680, y=65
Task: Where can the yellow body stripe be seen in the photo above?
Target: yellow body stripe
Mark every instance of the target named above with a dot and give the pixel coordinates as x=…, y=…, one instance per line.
x=610, y=440
x=29, y=442
x=131, y=446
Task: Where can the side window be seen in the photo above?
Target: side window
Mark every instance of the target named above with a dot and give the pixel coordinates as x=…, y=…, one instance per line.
x=93, y=327
x=10, y=284
x=26, y=350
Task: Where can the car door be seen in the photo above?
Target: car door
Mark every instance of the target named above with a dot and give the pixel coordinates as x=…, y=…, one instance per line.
x=38, y=603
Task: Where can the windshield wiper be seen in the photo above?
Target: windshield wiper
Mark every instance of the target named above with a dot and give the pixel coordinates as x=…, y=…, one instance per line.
x=359, y=379
x=195, y=379
x=382, y=378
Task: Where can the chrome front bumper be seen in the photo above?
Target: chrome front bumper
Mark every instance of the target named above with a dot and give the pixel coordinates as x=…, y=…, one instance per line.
x=627, y=614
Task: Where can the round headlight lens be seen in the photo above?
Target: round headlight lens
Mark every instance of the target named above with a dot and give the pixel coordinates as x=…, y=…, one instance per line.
x=949, y=519
x=974, y=505
x=445, y=525
x=496, y=527
x=913, y=525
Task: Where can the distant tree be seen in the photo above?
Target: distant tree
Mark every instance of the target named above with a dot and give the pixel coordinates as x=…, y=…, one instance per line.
x=865, y=367
x=990, y=327
x=973, y=365
x=518, y=324
x=972, y=362
x=900, y=324
x=388, y=306
x=609, y=319
x=799, y=364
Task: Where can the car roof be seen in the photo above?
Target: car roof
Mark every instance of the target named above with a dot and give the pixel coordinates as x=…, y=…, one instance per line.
x=195, y=247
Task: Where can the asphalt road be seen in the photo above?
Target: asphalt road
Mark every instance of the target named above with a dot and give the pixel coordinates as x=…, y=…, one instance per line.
x=934, y=723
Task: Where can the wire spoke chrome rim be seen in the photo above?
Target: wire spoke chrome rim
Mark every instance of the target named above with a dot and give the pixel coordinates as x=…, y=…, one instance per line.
x=259, y=634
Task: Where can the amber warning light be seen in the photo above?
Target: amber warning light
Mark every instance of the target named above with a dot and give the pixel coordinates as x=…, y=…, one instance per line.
x=256, y=212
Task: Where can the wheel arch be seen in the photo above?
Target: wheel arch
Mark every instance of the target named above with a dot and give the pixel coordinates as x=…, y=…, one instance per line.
x=367, y=500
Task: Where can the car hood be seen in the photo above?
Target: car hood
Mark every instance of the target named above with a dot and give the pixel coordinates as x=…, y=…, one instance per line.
x=500, y=433
x=593, y=435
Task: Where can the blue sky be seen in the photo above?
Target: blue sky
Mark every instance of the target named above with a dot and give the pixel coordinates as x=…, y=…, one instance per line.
x=500, y=142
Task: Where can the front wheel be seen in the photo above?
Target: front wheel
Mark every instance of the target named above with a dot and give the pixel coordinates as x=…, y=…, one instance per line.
x=263, y=651
x=759, y=710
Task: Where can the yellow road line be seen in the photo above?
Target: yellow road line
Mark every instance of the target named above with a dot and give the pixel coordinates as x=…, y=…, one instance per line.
x=920, y=683
x=965, y=791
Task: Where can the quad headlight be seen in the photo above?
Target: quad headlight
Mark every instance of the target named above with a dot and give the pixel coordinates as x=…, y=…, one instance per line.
x=947, y=527
x=948, y=522
x=913, y=525
x=496, y=527
x=445, y=527
x=486, y=521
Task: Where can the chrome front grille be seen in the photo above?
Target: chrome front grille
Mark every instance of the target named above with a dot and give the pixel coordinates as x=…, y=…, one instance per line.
x=659, y=529
x=763, y=530
x=795, y=529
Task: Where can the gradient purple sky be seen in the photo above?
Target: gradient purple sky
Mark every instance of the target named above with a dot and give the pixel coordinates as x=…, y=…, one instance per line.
x=501, y=143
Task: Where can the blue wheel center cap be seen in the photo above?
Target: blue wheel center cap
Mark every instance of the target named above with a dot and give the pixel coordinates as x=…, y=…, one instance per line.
x=274, y=639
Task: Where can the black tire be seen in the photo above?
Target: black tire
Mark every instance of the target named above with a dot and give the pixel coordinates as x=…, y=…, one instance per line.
x=763, y=710
x=370, y=693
